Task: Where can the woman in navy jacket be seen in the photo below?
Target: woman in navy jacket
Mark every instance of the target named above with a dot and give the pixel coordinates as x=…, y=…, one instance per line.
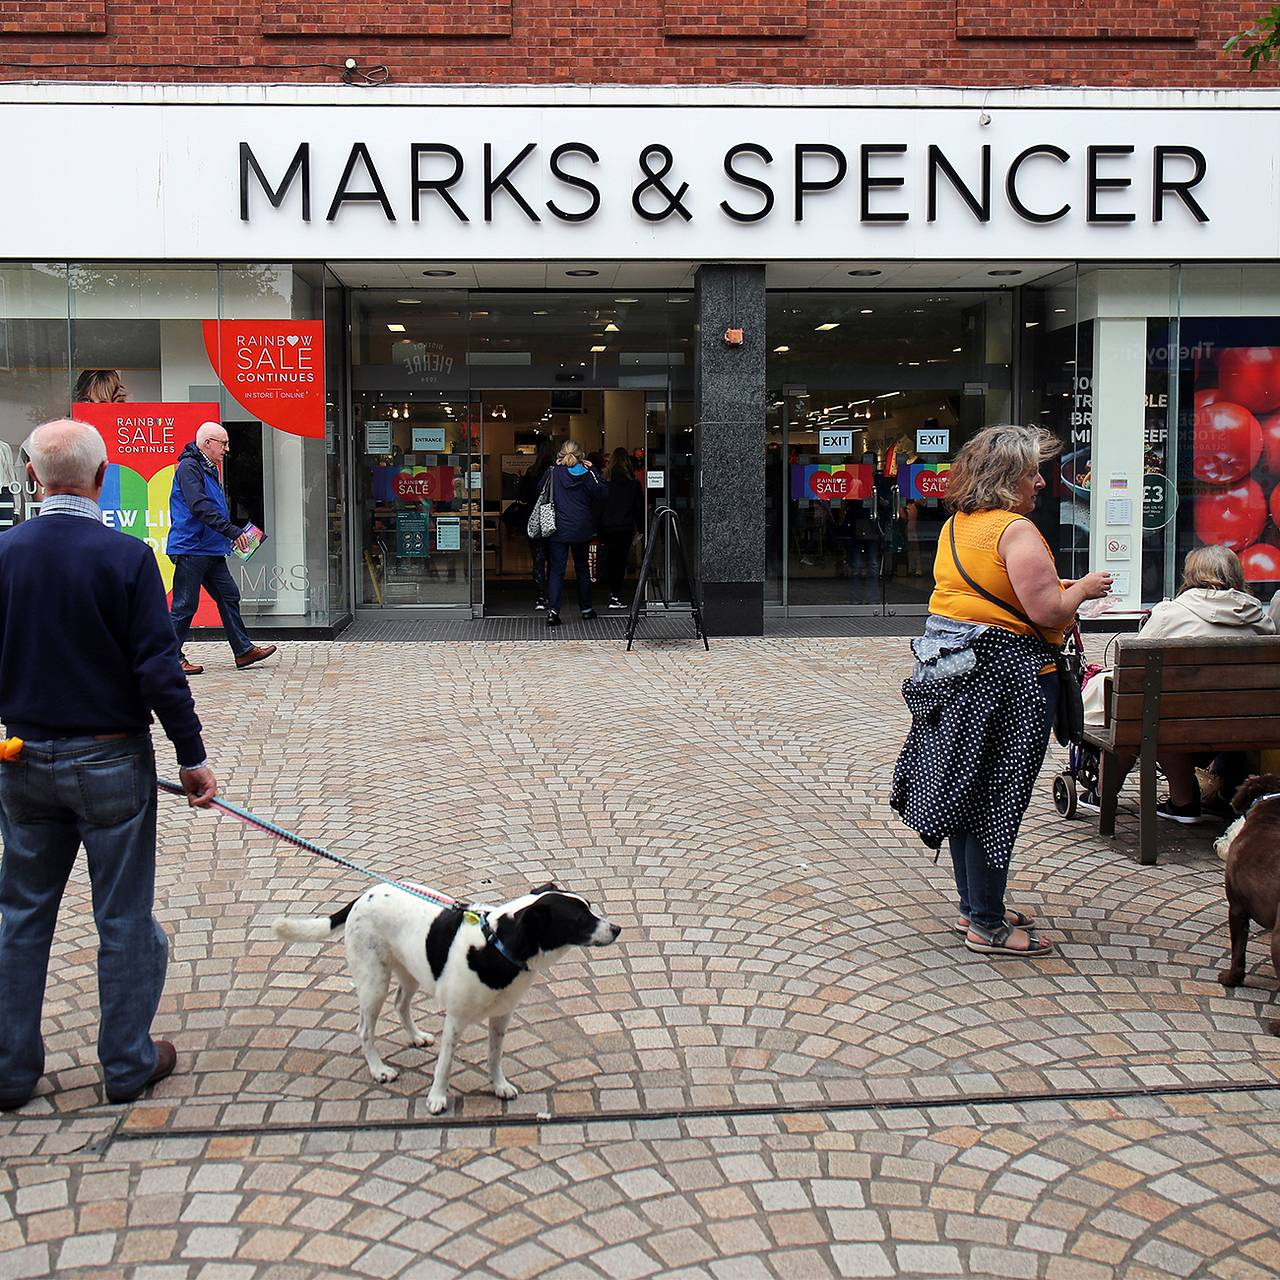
x=576, y=492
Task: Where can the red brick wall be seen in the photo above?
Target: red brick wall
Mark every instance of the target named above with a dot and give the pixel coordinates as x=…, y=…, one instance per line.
x=979, y=42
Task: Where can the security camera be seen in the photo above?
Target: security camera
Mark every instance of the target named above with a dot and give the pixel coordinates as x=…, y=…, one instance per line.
x=983, y=118
x=351, y=64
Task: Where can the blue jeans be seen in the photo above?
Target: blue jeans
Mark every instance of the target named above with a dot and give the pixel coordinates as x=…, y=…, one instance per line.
x=980, y=887
x=190, y=573
x=558, y=554
x=57, y=795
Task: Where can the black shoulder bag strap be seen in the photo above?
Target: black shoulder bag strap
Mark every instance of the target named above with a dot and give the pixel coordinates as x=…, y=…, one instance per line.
x=988, y=595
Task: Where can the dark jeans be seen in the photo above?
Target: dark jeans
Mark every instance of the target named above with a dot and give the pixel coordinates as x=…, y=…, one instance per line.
x=538, y=550
x=57, y=795
x=190, y=573
x=617, y=551
x=558, y=554
x=980, y=887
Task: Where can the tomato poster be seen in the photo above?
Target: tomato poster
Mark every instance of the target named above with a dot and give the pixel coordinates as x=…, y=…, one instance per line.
x=1235, y=450
x=273, y=369
x=143, y=442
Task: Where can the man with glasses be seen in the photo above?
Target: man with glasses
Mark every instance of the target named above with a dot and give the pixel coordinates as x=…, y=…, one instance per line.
x=200, y=539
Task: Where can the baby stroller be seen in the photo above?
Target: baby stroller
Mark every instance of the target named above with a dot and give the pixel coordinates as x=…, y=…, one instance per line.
x=1077, y=784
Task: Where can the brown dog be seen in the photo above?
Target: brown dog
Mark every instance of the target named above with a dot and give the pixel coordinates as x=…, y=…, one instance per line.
x=1252, y=851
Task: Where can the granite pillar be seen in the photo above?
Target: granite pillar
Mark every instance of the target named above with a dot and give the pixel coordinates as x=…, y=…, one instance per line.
x=729, y=398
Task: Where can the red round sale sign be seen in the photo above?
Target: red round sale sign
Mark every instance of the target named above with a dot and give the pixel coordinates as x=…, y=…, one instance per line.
x=413, y=487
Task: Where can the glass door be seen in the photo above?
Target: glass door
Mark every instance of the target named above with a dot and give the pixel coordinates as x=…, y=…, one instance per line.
x=415, y=476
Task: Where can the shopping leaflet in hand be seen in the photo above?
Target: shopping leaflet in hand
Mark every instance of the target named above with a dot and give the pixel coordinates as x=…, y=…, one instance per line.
x=255, y=538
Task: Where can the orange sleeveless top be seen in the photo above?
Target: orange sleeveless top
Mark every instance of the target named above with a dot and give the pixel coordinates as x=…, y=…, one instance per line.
x=978, y=544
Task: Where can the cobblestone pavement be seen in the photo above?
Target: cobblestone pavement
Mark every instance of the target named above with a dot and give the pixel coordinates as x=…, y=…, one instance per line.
x=789, y=1066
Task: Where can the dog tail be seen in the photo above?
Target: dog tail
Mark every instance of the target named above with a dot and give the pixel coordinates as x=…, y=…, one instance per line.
x=310, y=928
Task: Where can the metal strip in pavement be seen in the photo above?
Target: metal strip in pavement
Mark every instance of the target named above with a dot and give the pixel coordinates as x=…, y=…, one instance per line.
x=551, y=1120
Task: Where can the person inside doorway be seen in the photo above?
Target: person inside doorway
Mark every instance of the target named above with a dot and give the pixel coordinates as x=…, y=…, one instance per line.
x=621, y=519
x=526, y=495
x=576, y=492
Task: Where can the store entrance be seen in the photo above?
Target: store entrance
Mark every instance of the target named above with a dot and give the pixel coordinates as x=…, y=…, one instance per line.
x=444, y=483
x=522, y=431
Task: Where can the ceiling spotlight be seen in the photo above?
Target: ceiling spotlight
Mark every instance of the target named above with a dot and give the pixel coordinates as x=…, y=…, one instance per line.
x=1006, y=271
x=626, y=299
x=395, y=328
x=582, y=273
x=866, y=271
x=597, y=350
x=611, y=328
x=781, y=351
x=866, y=311
x=677, y=300
x=439, y=273
x=826, y=328
x=409, y=302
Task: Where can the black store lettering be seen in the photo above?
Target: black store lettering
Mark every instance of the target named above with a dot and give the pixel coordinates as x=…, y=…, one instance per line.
x=868, y=183
x=746, y=180
x=1011, y=182
x=572, y=180
x=360, y=155
x=299, y=166
x=803, y=185
x=1096, y=184
x=1162, y=186
x=418, y=184
x=980, y=204
x=502, y=181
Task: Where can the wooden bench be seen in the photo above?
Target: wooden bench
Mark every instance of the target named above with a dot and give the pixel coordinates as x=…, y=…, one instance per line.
x=1210, y=695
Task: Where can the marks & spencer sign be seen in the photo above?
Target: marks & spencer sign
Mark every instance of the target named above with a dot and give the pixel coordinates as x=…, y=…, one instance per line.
x=478, y=179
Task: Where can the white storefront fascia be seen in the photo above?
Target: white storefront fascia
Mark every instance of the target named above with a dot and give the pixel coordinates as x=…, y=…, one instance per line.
x=271, y=173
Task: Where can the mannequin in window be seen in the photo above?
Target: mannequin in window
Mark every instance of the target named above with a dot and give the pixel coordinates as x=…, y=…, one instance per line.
x=100, y=386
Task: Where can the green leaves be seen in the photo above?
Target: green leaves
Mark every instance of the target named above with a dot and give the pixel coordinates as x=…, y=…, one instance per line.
x=1264, y=38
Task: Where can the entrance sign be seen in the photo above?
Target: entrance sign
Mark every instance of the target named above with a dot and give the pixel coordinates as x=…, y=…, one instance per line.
x=835, y=441
x=204, y=172
x=428, y=439
x=937, y=441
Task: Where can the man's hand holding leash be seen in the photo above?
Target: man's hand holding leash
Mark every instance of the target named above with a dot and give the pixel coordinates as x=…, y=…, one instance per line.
x=200, y=786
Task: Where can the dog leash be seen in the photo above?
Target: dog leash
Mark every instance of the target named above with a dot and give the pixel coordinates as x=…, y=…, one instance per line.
x=281, y=833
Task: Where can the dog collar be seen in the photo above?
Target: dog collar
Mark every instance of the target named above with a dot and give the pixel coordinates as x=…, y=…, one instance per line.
x=1271, y=795
x=496, y=943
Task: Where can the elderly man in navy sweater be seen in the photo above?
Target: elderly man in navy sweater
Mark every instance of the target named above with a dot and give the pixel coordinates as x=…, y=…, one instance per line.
x=87, y=652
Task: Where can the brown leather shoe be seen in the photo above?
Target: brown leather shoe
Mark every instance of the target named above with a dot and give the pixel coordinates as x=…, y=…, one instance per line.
x=258, y=653
x=191, y=668
x=166, y=1060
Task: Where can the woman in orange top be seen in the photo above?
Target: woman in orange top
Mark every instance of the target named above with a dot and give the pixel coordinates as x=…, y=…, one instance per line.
x=984, y=689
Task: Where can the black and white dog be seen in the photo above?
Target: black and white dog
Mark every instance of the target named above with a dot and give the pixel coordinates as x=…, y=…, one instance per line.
x=474, y=962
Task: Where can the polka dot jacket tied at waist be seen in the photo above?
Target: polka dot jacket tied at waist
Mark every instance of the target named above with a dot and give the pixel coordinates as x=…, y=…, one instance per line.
x=976, y=741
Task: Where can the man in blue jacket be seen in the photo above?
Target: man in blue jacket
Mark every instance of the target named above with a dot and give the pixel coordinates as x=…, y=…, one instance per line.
x=200, y=538
x=86, y=655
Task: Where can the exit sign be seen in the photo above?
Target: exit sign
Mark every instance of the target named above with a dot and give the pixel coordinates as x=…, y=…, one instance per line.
x=933, y=441
x=835, y=441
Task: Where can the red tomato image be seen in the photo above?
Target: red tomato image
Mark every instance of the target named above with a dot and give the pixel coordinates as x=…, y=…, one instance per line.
x=1251, y=376
x=1275, y=504
x=1231, y=517
x=1271, y=442
x=1207, y=396
x=1228, y=442
x=1261, y=562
